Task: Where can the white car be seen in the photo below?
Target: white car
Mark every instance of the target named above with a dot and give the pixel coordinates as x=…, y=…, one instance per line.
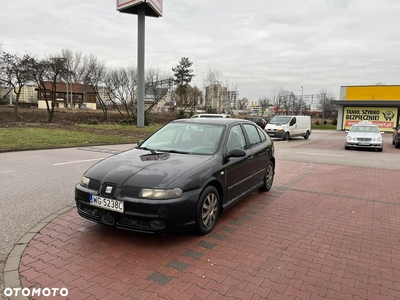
x=364, y=135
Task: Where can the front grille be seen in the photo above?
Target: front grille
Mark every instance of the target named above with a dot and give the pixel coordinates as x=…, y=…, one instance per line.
x=361, y=139
x=94, y=184
x=130, y=191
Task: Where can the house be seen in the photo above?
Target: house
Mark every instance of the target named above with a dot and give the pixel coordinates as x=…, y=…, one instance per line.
x=71, y=95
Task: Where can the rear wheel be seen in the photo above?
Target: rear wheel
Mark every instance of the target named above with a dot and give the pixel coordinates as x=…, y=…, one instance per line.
x=207, y=210
x=397, y=145
x=268, y=178
x=307, y=135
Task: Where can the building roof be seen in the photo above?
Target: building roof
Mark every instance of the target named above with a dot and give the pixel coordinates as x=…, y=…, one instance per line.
x=72, y=87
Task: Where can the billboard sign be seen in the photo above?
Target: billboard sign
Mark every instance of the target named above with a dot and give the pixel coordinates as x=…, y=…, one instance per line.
x=383, y=117
x=156, y=5
x=124, y=4
x=154, y=8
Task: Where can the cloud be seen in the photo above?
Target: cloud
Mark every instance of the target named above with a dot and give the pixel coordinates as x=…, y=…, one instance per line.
x=258, y=44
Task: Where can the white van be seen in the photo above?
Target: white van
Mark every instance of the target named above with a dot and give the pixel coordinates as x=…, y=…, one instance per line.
x=211, y=116
x=285, y=127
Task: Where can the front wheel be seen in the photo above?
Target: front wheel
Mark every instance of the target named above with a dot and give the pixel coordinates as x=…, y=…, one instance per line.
x=286, y=137
x=268, y=178
x=207, y=210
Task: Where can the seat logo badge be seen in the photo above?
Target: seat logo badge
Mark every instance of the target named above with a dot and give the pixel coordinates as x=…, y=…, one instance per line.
x=109, y=189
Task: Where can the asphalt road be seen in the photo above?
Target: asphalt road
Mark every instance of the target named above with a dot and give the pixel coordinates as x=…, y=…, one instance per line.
x=35, y=184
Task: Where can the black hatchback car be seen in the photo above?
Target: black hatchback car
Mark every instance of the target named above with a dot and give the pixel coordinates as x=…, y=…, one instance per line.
x=259, y=121
x=180, y=178
x=396, y=136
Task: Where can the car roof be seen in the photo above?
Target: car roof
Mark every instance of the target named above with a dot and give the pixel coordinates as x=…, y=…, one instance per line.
x=216, y=121
x=365, y=124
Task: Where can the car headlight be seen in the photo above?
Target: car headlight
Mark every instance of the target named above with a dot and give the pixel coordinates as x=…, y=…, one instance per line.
x=280, y=129
x=160, y=194
x=350, y=138
x=377, y=139
x=85, y=181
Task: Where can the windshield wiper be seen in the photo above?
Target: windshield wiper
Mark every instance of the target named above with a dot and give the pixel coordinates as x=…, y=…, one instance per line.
x=145, y=148
x=176, y=151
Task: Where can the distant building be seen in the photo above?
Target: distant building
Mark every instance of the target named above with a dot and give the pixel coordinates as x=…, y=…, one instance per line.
x=378, y=104
x=79, y=96
x=217, y=98
x=27, y=97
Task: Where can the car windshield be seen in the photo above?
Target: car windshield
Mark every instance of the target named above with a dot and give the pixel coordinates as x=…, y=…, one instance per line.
x=185, y=138
x=279, y=120
x=365, y=129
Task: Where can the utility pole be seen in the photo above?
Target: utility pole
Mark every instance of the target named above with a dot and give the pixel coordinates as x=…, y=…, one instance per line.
x=301, y=101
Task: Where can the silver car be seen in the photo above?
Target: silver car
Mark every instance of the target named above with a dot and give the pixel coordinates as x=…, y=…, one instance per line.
x=364, y=135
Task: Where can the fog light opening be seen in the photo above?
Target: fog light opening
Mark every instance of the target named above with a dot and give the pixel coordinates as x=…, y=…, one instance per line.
x=156, y=224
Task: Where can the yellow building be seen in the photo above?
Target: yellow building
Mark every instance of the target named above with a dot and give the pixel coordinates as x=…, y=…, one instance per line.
x=378, y=104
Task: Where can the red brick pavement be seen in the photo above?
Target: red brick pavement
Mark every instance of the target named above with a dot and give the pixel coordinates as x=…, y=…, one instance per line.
x=318, y=234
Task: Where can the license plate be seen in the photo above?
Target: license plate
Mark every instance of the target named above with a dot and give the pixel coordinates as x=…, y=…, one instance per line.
x=271, y=134
x=363, y=143
x=110, y=204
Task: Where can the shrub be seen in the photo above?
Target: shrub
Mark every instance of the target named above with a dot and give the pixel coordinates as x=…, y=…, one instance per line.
x=316, y=122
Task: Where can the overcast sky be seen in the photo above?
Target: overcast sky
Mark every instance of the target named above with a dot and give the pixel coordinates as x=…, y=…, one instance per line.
x=262, y=45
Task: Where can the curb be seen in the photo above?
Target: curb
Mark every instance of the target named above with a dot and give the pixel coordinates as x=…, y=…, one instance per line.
x=11, y=267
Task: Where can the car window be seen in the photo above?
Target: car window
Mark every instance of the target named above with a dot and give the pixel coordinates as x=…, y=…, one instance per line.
x=262, y=134
x=253, y=134
x=236, y=139
x=292, y=121
x=186, y=137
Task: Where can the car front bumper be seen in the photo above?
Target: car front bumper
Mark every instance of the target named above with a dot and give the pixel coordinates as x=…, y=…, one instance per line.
x=364, y=145
x=142, y=215
x=276, y=134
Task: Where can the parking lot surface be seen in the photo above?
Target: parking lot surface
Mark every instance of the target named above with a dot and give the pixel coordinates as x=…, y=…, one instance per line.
x=324, y=231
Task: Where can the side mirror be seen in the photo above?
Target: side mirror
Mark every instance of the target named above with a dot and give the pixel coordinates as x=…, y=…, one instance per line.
x=236, y=153
x=140, y=142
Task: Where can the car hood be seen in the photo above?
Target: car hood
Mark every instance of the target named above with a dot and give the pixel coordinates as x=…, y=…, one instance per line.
x=141, y=168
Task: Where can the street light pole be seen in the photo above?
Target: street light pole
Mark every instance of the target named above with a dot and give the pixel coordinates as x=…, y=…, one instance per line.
x=301, y=101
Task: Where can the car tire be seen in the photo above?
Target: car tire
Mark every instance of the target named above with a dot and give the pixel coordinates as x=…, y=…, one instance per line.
x=393, y=142
x=397, y=145
x=268, y=177
x=286, y=137
x=380, y=149
x=307, y=135
x=346, y=148
x=207, y=210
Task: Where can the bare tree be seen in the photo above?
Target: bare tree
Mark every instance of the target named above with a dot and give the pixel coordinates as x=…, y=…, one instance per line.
x=93, y=76
x=325, y=100
x=232, y=95
x=120, y=85
x=243, y=104
x=264, y=103
x=211, y=83
x=16, y=72
x=47, y=73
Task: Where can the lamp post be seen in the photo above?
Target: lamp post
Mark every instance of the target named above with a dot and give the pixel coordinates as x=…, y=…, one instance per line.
x=301, y=101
